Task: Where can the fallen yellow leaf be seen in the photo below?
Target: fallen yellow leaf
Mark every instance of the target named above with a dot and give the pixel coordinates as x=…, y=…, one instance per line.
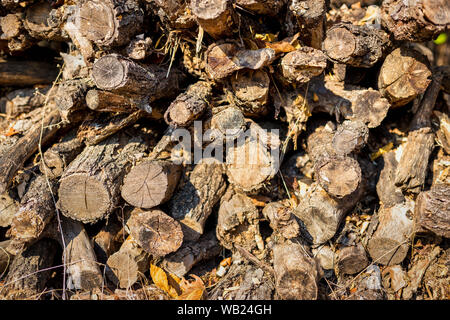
x=192, y=290
x=166, y=282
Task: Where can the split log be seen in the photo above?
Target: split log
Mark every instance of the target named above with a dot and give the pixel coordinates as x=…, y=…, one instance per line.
x=199, y=193
x=150, y=183
x=263, y=7
x=8, y=208
x=350, y=137
x=416, y=21
x=310, y=15
x=110, y=22
x=107, y=240
x=27, y=274
x=404, y=75
x=413, y=164
x=388, y=193
x=26, y=146
x=5, y=258
x=389, y=244
x=358, y=46
x=282, y=219
x=189, y=105
x=126, y=265
x=90, y=186
x=122, y=75
x=301, y=65
x=214, y=16
x=36, y=210
x=16, y=73
x=296, y=273
x=432, y=210
x=351, y=260
x=155, y=232
x=238, y=222
x=191, y=253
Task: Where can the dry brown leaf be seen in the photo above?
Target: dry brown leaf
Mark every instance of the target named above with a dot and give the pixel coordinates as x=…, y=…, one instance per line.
x=166, y=282
x=192, y=290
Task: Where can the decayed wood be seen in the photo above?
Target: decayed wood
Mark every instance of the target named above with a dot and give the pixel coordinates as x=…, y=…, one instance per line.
x=5, y=258
x=388, y=193
x=150, y=183
x=176, y=13
x=413, y=164
x=90, y=186
x=189, y=105
x=282, y=219
x=27, y=275
x=69, y=98
x=416, y=21
x=191, y=253
x=404, y=75
x=16, y=156
x=265, y=7
x=14, y=32
x=155, y=232
x=8, y=208
x=358, y=46
x=432, y=210
x=214, y=16
x=41, y=23
x=36, y=210
x=26, y=73
x=350, y=136
x=107, y=240
x=301, y=65
x=310, y=15
x=110, y=22
x=238, y=222
x=390, y=243
x=351, y=260
x=125, y=266
x=195, y=198
x=296, y=273
x=228, y=122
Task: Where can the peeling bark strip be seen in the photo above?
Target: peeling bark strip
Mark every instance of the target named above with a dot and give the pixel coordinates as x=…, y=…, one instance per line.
x=155, y=232
x=296, y=274
x=27, y=145
x=432, y=210
x=265, y=7
x=191, y=253
x=122, y=75
x=110, y=22
x=16, y=73
x=389, y=244
x=124, y=266
x=150, y=183
x=310, y=16
x=404, y=75
x=358, y=46
x=214, y=16
x=90, y=186
x=35, y=212
x=195, y=198
x=189, y=105
x=301, y=65
x=417, y=21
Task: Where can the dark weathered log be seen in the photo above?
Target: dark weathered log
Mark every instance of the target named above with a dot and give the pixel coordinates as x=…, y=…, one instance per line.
x=404, y=75
x=351, y=260
x=150, y=183
x=191, y=253
x=389, y=244
x=8, y=208
x=301, y=65
x=350, y=136
x=90, y=187
x=70, y=99
x=36, y=210
x=27, y=276
x=238, y=222
x=296, y=273
x=122, y=75
x=264, y=7
x=198, y=193
x=416, y=21
x=16, y=156
x=432, y=210
x=26, y=73
x=189, y=105
x=358, y=46
x=155, y=232
x=107, y=240
x=388, y=193
x=110, y=22
x=310, y=16
x=214, y=16
x=282, y=219
x=126, y=265
x=413, y=164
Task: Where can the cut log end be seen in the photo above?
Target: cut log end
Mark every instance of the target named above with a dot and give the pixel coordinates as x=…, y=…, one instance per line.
x=109, y=72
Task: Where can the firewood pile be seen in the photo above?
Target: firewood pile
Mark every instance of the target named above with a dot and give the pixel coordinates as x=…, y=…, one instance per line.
x=219, y=149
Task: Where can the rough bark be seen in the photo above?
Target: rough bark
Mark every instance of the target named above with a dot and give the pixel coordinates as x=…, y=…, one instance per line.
x=282, y=219
x=310, y=15
x=8, y=208
x=155, y=232
x=25, y=100
x=194, y=200
x=105, y=101
x=90, y=186
x=388, y=193
x=18, y=73
x=41, y=23
x=70, y=99
x=176, y=13
x=214, y=16
x=150, y=183
x=301, y=65
x=5, y=258
x=14, y=32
